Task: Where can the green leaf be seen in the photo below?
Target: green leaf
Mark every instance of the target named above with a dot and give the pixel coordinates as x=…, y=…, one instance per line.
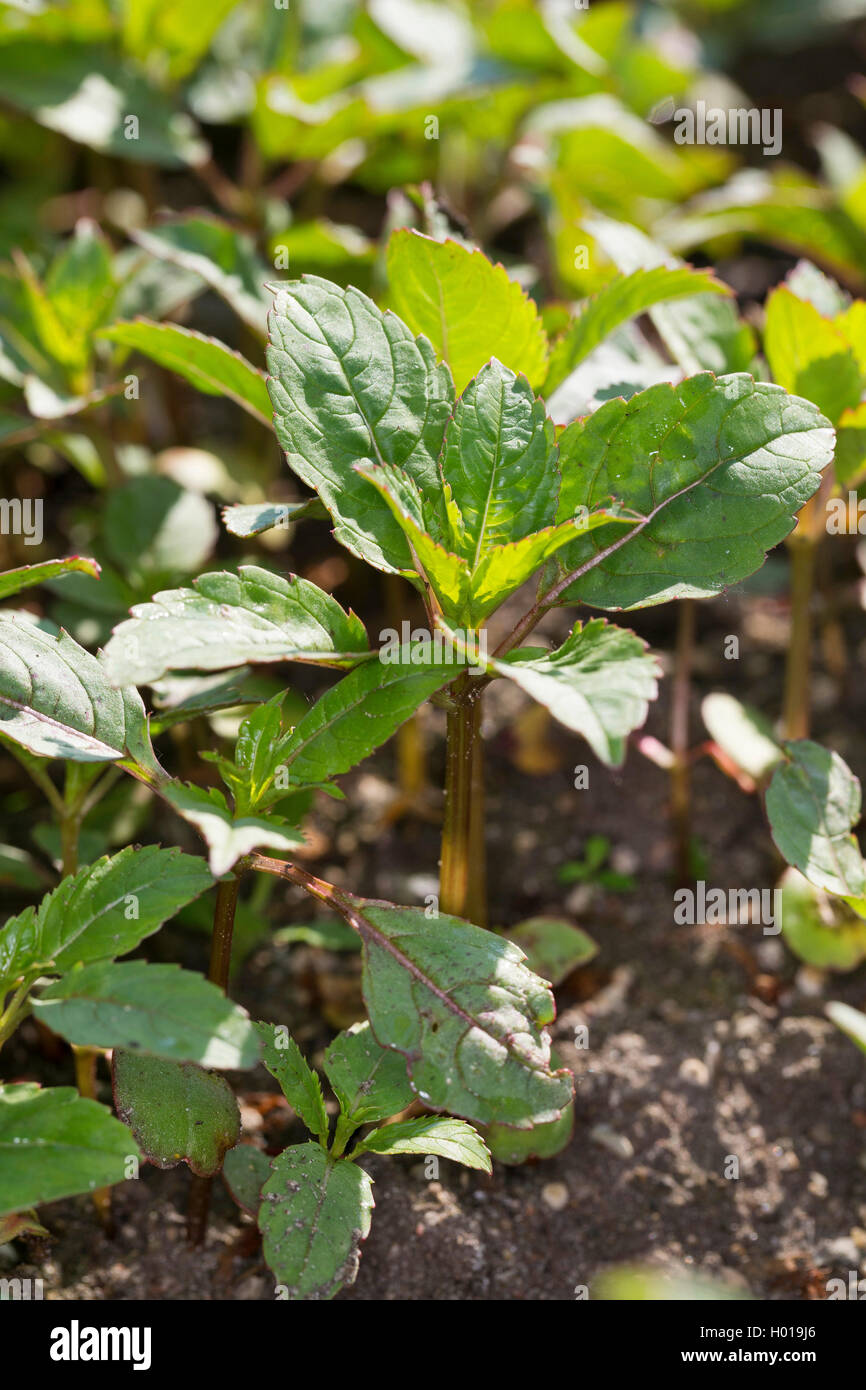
x=369, y=1081
x=469, y=308
x=102, y=911
x=822, y=930
x=57, y=702
x=810, y=356
x=177, y=1112
x=623, y=299
x=205, y=363
x=83, y=91
x=12, y=581
x=224, y=258
x=54, y=1144
x=812, y=803
x=228, y=837
x=360, y=713
x=226, y=620
x=155, y=530
x=717, y=467
x=742, y=733
x=514, y=1146
x=298, y=1082
x=80, y=282
x=160, y=1010
x=245, y=1169
x=178, y=35
x=598, y=683
x=313, y=1217
x=499, y=464
x=447, y=1138
x=325, y=933
x=553, y=948
x=253, y=518
x=851, y=1021
x=465, y=1011
x=349, y=383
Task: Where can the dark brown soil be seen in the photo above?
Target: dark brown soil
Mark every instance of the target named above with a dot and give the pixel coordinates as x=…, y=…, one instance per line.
x=705, y=1042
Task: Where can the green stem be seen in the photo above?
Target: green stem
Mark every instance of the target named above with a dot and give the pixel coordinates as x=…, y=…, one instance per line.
x=462, y=875
x=795, y=716
x=218, y=973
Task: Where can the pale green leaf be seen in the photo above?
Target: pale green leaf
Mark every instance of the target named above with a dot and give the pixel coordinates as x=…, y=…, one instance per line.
x=226, y=620
x=553, y=947
x=12, y=581
x=598, y=683
x=224, y=258
x=160, y=1010
x=810, y=356
x=228, y=837
x=469, y=308
x=446, y=1138
x=251, y=519
x=623, y=299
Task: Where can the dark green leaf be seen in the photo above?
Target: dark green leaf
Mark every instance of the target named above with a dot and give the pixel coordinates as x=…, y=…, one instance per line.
x=369, y=1081
x=298, y=1082
x=177, y=1111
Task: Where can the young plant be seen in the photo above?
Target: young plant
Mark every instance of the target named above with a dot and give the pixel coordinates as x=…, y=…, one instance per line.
x=313, y=1201
x=676, y=493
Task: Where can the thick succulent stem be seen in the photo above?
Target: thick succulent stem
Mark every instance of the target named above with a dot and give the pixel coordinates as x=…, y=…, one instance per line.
x=462, y=877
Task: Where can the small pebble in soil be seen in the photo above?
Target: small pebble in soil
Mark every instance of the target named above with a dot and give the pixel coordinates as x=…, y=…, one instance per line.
x=618, y=1144
x=810, y=982
x=818, y=1185
x=693, y=1070
x=555, y=1195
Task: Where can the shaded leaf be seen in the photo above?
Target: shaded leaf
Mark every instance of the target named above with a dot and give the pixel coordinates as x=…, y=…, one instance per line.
x=369, y=1081
x=463, y=1008
x=205, y=363
x=245, y=1170
x=224, y=258
x=812, y=802
x=298, y=1082
x=851, y=1021
x=553, y=948
x=178, y=1112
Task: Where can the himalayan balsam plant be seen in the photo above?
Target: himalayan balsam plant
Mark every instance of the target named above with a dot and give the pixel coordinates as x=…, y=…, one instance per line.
x=425, y=439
